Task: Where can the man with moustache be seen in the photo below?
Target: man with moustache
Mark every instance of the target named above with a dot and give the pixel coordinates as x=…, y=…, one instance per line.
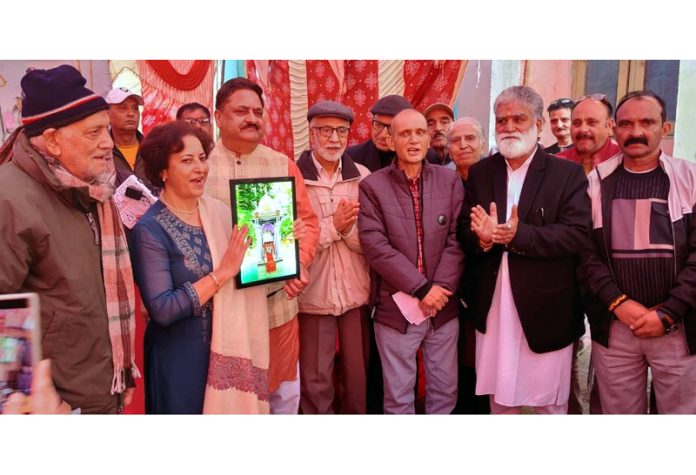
x=333, y=306
x=439, y=117
x=466, y=145
x=376, y=152
x=124, y=119
x=525, y=221
x=197, y=115
x=640, y=273
x=239, y=154
x=590, y=127
x=407, y=225
x=559, y=119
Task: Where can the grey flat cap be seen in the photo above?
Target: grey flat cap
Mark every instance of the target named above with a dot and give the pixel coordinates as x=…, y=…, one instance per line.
x=330, y=109
x=391, y=105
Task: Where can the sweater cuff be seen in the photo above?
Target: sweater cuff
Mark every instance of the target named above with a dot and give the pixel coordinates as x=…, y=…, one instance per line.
x=675, y=309
x=423, y=291
x=608, y=293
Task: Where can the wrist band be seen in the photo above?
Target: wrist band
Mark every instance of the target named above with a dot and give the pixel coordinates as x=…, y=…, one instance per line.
x=618, y=301
x=215, y=280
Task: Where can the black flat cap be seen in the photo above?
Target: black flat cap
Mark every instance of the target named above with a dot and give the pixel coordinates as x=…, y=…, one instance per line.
x=330, y=109
x=391, y=105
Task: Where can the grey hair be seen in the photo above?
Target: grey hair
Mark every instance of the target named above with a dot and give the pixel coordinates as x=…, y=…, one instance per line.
x=467, y=120
x=523, y=95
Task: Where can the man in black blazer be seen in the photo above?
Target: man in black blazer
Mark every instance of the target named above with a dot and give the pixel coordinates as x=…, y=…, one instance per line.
x=525, y=301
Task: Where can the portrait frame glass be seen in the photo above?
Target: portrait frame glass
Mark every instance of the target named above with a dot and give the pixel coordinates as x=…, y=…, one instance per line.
x=268, y=207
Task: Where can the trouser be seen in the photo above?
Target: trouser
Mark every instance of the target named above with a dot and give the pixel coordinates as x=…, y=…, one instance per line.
x=398, y=355
x=468, y=402
x=550, y=409
x=622, y=372
x=286, y=399
x=375, y=381
x=318, y=353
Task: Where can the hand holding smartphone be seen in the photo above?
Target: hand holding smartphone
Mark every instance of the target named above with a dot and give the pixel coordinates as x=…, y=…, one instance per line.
x=19, y=345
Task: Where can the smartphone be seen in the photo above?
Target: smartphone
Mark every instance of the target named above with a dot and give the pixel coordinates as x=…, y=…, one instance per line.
x=19, y=343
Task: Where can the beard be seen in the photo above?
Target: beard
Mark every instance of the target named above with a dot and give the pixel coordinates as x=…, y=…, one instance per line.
x=516, y=144
x=328, y=155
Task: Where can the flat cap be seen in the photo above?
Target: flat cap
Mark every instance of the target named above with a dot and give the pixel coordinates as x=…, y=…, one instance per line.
x=391, y=105
x=439, y=105
x=330, y=109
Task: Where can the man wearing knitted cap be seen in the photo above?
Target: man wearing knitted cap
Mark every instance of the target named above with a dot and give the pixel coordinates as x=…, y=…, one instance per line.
x=333, y=304
x=377, y=152
x=62, y=238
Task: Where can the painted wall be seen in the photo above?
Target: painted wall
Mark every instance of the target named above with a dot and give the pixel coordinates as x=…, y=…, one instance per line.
x=474, y=96
x=11, y=73
x=684, y=136
x=504, y=73
x=551, y=79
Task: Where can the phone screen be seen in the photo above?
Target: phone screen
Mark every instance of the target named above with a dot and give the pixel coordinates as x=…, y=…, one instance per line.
x=19, y=343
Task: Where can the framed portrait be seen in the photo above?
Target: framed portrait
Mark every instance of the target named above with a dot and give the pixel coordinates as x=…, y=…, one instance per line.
x=267, y=207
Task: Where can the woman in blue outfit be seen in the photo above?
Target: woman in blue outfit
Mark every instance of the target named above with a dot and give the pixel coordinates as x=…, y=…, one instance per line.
x=174, y=270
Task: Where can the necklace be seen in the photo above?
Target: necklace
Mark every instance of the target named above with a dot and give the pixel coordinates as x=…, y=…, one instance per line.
x=178, y=210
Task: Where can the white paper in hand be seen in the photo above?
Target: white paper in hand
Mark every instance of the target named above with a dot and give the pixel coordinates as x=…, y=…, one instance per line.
x=130, y=209
x=409, y=308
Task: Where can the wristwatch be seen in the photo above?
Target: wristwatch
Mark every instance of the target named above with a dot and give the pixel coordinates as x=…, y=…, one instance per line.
x=669, y=327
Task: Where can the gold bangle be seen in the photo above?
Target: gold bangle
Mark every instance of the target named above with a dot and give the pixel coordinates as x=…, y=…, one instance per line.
x=215, y=280
x=618, y=301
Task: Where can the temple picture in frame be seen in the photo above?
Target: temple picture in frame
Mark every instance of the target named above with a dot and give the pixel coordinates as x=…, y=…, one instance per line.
x=267, y=207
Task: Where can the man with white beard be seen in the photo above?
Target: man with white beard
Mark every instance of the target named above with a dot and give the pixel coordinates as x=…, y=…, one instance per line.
x=525, y=220
x=333, y=305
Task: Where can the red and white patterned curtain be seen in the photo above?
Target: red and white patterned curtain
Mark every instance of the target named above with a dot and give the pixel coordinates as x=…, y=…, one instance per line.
x=291, y=87
x=167, y=85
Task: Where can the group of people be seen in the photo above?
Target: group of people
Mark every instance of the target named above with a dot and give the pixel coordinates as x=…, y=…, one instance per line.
x=414, y=248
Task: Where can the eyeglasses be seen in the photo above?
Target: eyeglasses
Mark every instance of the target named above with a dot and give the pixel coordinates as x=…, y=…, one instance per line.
x=198, y=121
x=560, y=104
x=596, y=97
x=327, y=131
x=380, y=126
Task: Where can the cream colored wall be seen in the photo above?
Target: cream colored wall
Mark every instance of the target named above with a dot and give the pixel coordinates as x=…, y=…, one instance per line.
x=684, y=136
x=11, y=73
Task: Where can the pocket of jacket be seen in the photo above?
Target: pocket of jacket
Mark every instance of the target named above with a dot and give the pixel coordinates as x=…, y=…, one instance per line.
x=326, y=202
x=660, y=224
x=50, y=332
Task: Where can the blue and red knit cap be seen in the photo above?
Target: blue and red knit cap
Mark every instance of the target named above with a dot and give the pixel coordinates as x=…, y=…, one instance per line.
x=54, y=98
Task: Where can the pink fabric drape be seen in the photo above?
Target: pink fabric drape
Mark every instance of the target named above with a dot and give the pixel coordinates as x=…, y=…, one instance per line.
x=274, y=78
x=358, y=88
x=163, y=99
x=428, y=81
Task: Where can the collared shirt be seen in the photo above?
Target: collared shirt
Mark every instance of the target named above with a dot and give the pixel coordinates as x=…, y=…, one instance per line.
x=414, y=188
x=505, y=366
x=324, y=177
x=608, y=150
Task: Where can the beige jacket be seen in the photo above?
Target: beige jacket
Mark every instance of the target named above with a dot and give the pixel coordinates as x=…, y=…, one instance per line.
x=338, y=277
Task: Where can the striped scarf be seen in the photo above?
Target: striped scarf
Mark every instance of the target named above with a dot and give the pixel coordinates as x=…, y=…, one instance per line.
x=116, y=269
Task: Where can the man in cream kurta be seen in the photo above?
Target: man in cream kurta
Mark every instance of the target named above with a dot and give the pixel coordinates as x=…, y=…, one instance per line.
x=526, y=306
x=239, y=154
